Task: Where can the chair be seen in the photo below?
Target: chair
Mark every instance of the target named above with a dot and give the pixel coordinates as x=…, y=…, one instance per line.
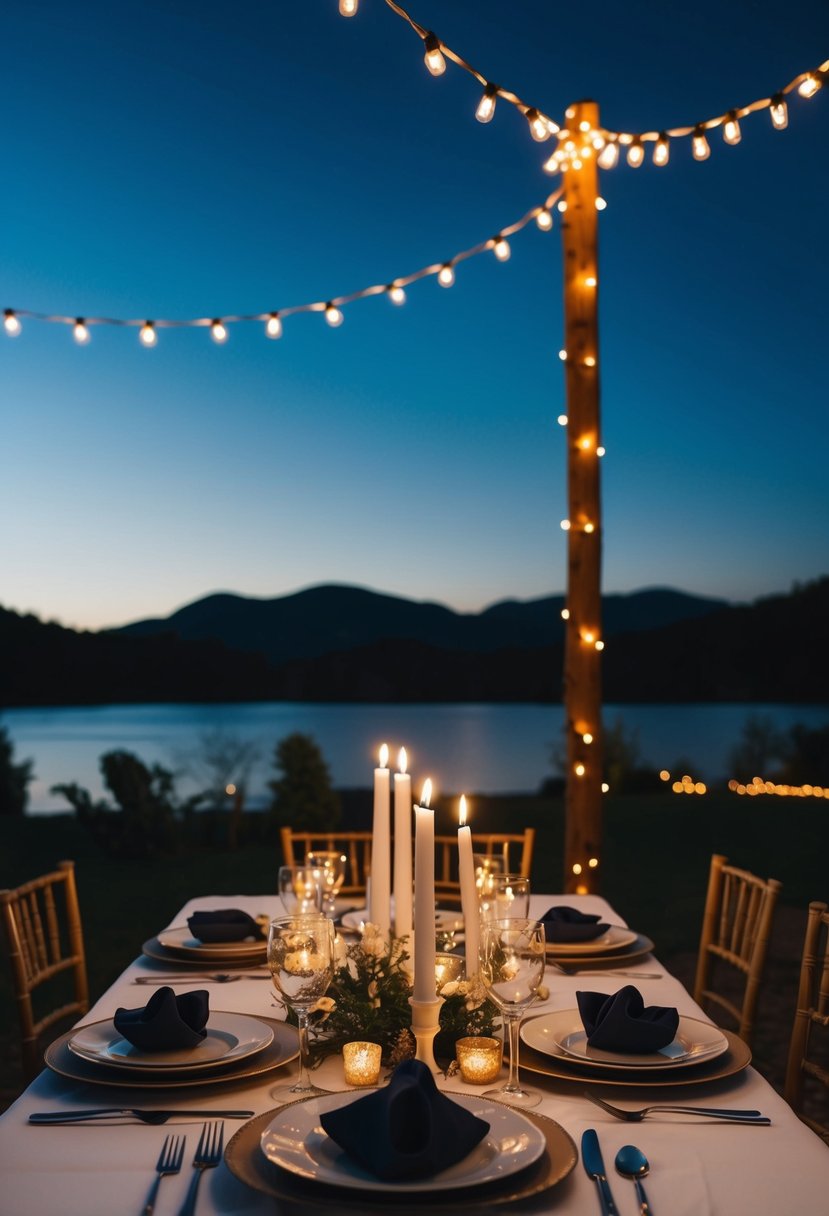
x=811, y=1017
x=491, y=844
x=42, y=924
x=355, y=845
x=735, y=936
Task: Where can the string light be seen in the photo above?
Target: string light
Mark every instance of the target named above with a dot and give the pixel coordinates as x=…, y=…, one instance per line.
x=80, y=332
x=731, y=129
x=544, y=219
x=486, y=106
x=565, y=525
x=601, y=203
x=687, y=785
x=562, y=205
x=218, y=332
x=579, y=770
x=147, y=334
x=779, y=112
x=758, y=786
x=562, y=420
x=273, y=326
x=565, y=614
x=11, y=324
x=446, y=276
x=538, y=124
x=562, y=354
x=700, y=146
x=609, y=155
x=662, y=150
x=433, y=57
x=396, y=294
x=636, y=154
x=605, y=788
x=587, y=738
x=333, y=315
x=501, y=249
x=810, y=84
x=349, y=7
x=600, y=451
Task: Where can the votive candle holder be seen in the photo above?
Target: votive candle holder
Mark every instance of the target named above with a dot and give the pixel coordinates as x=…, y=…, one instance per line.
x=479, y=1059
x=361, y=1063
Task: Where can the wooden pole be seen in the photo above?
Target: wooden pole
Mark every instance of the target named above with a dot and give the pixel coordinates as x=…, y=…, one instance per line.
x=583, y=640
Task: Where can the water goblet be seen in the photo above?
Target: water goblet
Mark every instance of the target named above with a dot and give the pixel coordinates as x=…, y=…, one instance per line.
x=510, y=898
x=487, y=869
x=512, y=967
x=300, y=890
x=301, y=962
x=329, y=866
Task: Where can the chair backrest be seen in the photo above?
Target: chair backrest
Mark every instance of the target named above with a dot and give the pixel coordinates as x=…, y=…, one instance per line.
x=355, y=845
x=734, y=942
x=42, y=925
x=810, y=1033
x=515, y=848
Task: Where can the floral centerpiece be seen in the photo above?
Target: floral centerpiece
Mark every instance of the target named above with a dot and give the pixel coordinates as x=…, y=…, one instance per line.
x=369, y=999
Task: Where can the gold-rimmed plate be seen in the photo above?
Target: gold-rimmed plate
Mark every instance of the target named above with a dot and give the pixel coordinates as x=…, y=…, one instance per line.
x=614, y=939
x=229, y=1037
x=153, y=949
x=180, y=940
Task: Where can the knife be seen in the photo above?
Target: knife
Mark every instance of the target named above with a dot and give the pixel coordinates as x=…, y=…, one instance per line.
x=145, y=1116
x=591, y=1156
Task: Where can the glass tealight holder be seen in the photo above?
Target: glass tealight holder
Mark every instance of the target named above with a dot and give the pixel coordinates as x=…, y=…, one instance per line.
x=361, y=1063
x=479, y=1059
x=448, y=967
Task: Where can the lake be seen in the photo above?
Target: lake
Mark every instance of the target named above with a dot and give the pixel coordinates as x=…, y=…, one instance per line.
x=476, y=748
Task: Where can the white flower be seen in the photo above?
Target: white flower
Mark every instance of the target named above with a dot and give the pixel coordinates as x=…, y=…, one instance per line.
x=543, y=992
x=373, y=943
x=450, y=988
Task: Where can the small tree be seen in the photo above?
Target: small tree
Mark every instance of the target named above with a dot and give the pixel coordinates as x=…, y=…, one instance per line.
x=14, y=778
x=302, y=796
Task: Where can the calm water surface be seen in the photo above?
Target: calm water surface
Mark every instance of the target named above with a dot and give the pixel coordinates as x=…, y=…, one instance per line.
x=477, y=748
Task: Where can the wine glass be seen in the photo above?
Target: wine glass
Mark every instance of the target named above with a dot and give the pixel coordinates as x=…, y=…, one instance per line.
x=330, y=869
x=300, y=890
x=512, y=967
x=301, y=962
x=487, y=869
x=510, y=898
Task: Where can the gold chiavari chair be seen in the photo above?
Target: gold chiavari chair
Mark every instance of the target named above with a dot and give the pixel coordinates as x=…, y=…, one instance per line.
x=355, y=845
x=809, y=1046
x=515, y=848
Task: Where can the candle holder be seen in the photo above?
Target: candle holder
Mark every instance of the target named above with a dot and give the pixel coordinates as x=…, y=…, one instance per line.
x=361, y=1063
x=479, y=1059
x=425, y=1025
x=448, y=967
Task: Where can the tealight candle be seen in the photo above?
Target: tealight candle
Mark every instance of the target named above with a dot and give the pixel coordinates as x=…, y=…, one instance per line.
x=479, y=1059
x=361, y=1063
x=447, y=967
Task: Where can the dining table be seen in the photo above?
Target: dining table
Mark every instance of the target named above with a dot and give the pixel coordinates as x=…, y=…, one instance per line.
x=698, y=1167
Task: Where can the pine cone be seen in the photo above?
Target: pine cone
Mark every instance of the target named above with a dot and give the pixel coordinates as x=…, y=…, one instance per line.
x=403, y=1047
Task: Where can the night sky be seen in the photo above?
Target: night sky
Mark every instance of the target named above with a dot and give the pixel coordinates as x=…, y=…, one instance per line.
x=179, y=159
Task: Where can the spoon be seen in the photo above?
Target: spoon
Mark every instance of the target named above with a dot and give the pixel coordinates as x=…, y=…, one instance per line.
x=632, y=1163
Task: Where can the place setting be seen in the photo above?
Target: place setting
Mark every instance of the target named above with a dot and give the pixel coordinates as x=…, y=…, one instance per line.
x=221, y=937
x=575, y=940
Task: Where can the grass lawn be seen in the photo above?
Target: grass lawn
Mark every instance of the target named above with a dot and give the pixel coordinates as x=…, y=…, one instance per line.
x=655, y=871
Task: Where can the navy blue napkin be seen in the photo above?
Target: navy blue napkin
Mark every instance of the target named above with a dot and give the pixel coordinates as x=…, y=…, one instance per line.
x=224, y=925
x=406, y=1130
x=563, y=924
x=167, y=1022
x=622, y=1022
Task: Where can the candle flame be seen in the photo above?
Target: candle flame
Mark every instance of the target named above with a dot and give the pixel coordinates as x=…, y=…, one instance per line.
x=401, y=760
x=426, y=796
x=462, y=810
x=384, y=755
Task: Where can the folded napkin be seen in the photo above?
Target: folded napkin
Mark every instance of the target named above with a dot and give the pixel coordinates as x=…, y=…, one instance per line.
x=406, y=1130
x=563, y=924
x=167, y=1022
x=224, y=925
x=622, y=1021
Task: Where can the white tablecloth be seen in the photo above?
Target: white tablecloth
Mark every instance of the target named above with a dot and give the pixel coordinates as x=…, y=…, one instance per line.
x=697, y=1168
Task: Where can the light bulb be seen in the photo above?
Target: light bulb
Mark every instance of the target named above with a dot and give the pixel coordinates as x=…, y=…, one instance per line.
x=217, y=331
x=562, y=354
x=544, y=219
x=609, y=155
x=333, y=315
x=565, y=614
x=562, y=205
x=579, y=770
x=809, y=86
x=349, y=7
x=589, y=527
x=590, y=281
x=700, y=145
x=273, y=325
x=539, y=128
x=446, y=276
x=554, y=164
x=586, y=443
x=636, y=154
x=601, y=203
x=396, y=294
x=589, y=361
x=80, y=332
x=434, y=56
x=731, y=129
x=565, y=525
x=587, y=738
x=599, y=645
x=600, y=451
x=662, y=150
x=779, y=112
x=605, y=788
x=11, y=324
x=501, y=249
x=486, y=106
x=562, y=420
x=147, y=334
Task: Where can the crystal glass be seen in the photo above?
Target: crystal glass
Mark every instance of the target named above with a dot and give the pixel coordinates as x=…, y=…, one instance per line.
x=487, y=870
x=301, y=962
x=510, y=898
x=512, y=967
x=300, y=890
x=330, y=868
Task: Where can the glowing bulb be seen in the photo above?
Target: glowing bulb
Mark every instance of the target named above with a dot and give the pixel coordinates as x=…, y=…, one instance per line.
x=434, y=56
x=80, y=333
x=700, y=145
x=501, y=249
x=579, y=770
x=589, y=361
x=396, y=294
x=539, y=128
x=218, y=332
x=636, y=154
x=562, y=420
x=562, y=354
x=446, y=276
x=147, y=334
x=11, y=324
x=600, y=451
x=273, y=325
x=577, y=868
x=565, y=525
x=349, y=7
x=809, y=86
x=544, y=219
x=585, y=443
x=609, y=155
x=333, y=315
x=562, y=205
x=601, y=203
x=587, y=635
x=599, y=645
x=605, y=787
x=731, y=129
x=587, y=738
x=565, y=614
x=662, y=150
x=590, y=281
x=779, y=112
x=486, y=106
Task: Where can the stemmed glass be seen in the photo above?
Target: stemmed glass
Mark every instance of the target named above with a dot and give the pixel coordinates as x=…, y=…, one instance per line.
x=509, y=898
x=512, y=967
x=301, y=961
x=300, y=890
x=330, y=869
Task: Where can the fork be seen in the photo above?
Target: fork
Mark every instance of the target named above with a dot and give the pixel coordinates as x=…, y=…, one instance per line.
x=640, y=975
x=169, y=1162
x=207, y=1157
x=708, y=1112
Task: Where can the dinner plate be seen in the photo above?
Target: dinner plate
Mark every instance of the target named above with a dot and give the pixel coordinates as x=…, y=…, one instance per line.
x=230, y=1037
x=283, y=1048
x=446, y=921
x=616, y=938
x=254, y=957
x=246, y=1161
x=179, y=939
x=638, y=949
x=295, y=1141
x=562, y=1033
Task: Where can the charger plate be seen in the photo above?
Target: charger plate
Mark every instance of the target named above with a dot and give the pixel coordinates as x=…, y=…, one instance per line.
x=229, y=1037
x=561, y=1033
x=614, y=939
x=637, y=949
x=283, y=1048
x=180, y=940
x=245, y=1159
x=254, y=956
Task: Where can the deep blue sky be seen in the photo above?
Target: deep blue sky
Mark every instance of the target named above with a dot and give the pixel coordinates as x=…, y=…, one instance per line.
x=174, y=158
